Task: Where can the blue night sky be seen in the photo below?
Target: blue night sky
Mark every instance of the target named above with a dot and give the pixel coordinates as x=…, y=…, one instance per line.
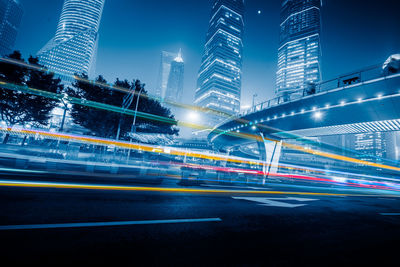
x=355, y=34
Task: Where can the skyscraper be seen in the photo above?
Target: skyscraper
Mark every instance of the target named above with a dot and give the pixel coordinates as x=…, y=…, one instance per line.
x=74, y=47
x=169, y=60
x=10, y=18
x=175, y=80
x=299, y=52
x=220, y=76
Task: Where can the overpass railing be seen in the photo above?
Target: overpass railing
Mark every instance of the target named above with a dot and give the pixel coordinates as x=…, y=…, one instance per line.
x=342, y=81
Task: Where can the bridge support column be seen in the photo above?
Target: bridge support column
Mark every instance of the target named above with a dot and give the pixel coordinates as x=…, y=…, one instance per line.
x=270, y=152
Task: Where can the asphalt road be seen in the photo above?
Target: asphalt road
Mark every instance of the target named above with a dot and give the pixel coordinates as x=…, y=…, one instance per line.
x=96, y=226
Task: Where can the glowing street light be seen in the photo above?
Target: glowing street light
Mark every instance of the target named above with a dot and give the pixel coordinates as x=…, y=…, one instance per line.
x=193, y=116
x=317, y=115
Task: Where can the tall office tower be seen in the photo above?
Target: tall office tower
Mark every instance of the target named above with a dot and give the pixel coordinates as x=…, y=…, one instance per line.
x=299, y=52
x=220, y=76
x=175, y=80
x=165, y=68
x=74, y=47
x=10, y=19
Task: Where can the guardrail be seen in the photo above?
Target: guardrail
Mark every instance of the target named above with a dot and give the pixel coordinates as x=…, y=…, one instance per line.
x=342, y=81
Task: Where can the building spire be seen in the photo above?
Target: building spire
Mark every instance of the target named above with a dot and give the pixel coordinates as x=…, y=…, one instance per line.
x=179, y=57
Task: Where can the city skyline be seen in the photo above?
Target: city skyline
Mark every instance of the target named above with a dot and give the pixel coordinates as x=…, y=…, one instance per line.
x=202, y=134
x=261, y=40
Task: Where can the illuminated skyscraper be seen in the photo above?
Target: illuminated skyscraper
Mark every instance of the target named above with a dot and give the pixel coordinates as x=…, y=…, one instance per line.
x=220, y=76
x=74, y=47
x=10, y=19
x=299, y=52
x=165, y=87
x=175, y=80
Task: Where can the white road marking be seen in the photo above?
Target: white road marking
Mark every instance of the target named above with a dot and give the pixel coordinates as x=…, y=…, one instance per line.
x=273, y=202
x=101, y=224
x=390, y=214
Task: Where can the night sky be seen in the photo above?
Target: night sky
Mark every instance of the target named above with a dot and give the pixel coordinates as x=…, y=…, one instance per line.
x=355, y=34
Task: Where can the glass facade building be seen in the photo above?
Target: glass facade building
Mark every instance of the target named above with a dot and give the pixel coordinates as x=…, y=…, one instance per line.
x=220, y=76
x=299, y=52
x=167, y=59
x=10, y=19
x=74, y=47
x=174, y=90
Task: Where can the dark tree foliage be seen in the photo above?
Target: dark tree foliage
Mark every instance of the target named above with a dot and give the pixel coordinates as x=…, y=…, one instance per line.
x=12, y=102
x=21, y=108
x=41, y=107
x=104, y=123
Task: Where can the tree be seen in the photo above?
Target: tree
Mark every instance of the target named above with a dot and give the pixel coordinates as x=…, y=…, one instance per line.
x=41, y=107
x=17, y=107
x=12, y=102
x=104, y=123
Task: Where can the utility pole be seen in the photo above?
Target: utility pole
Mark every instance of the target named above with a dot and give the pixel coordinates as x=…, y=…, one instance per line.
x=65, y=103
x=133, y=129
x=125, y=105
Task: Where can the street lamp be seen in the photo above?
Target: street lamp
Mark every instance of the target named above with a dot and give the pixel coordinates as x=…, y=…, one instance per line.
x=193, y=116
x=318, y=115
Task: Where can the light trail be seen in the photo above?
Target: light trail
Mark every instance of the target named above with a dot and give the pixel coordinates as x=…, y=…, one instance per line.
x=177, y=152
x=148, y=116
x=113, y=87
x=28, y=184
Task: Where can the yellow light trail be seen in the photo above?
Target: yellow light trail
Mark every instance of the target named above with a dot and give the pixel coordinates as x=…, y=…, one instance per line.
x=174, y=152
x=112, y=87
x=251, y=137
x=174, y=190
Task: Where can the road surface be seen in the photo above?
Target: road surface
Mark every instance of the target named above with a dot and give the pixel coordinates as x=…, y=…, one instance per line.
x=202, y=225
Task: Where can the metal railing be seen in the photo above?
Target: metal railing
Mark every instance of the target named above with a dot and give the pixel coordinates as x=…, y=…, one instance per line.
x=342, y=81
